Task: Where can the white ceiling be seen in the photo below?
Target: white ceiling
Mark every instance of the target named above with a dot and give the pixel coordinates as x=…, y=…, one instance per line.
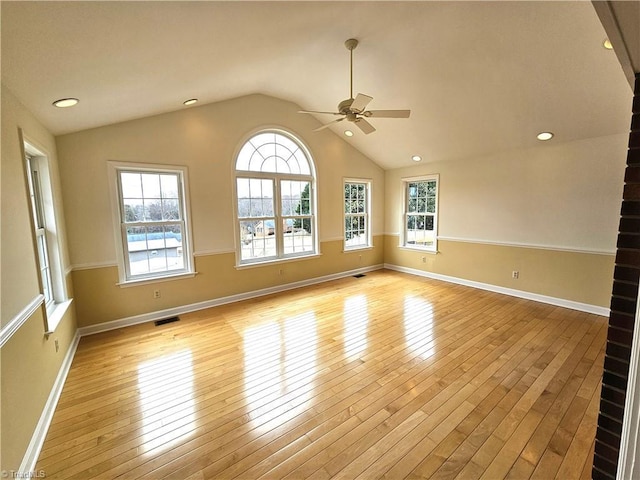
x=479, y=77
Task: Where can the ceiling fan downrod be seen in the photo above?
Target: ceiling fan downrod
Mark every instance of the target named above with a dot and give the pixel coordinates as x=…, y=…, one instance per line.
x=351, y=44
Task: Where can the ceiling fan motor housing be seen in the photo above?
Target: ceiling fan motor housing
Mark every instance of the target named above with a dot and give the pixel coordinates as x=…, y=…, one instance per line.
x=344, y=106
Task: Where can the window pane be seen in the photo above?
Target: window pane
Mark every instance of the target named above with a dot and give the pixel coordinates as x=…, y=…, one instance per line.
x=420, y=230
x=45, y=271
x=133, y=210
x=170, y=210
x=300, y=156
x=131, y=185
x=300, y=239
x=169, y=186
x=150, y=185
x=152, y=209
x=272, y=152
x=257, y=239
x=295, y=197
x=255, y=197
x=42, y=250
x=431, y=204
x=285, y=153
x=244, y=157
x=155, y=249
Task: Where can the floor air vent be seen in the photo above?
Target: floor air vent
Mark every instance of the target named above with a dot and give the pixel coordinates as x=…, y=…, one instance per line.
x=164, y=321
x=359, y=275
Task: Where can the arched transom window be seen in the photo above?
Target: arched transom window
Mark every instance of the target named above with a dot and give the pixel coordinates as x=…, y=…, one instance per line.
x=275, y=199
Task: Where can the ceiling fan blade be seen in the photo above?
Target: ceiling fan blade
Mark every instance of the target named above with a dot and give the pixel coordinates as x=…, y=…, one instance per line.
x=360, y=103
x=328, y=124
x=365, y=126
x=388, y=113
x=314, y=111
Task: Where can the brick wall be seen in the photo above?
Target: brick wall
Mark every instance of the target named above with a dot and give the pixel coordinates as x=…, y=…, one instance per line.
x=623, y=311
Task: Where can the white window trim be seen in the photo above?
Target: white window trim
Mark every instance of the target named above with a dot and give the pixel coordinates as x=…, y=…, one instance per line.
x=403, y=216
x=369, y=191
x=114, y=167
x=36, y=158
x=277, y=178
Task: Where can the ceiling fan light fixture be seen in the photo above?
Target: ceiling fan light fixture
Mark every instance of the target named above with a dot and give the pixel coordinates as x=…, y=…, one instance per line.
x=416, y=158
x=348, y=133
x=191, y=101
x=544, y=136
x=65, y=102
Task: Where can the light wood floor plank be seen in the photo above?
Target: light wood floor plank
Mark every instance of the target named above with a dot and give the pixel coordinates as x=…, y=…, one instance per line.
x=387, y=376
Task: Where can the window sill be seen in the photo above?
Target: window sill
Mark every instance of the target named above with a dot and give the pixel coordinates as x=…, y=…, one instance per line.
x=55, y=315
x=419, y=249
x=243, y=266
x=357, y=249
x=148, y=281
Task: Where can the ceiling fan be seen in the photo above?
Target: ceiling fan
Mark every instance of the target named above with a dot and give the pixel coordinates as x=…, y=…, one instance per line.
x=354, y=110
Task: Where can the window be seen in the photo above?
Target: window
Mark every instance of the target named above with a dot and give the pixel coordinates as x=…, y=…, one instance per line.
x=275, y=192
x=153, y=221
x=421, y=213
x=46, y=239
x=42, y=247
x=357, y=231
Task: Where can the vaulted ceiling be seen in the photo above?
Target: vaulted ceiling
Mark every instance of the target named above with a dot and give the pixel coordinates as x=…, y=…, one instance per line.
x=479, y=77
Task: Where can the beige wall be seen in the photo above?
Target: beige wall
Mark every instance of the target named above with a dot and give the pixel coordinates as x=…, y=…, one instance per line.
x=100, y=300
x=575, y=276
x=29, y=361
x=30, y=365
x=206, y=140
x=19, y=277
x=559, y=201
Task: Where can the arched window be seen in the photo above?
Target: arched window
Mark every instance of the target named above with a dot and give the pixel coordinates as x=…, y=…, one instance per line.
x=275, y=191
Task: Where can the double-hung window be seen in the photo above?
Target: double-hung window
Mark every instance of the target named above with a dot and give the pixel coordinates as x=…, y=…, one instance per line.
x=420, y=219
x=40, y=229
x=357, y=207
x=275, y=199
x=154, y=236
x=46, y=236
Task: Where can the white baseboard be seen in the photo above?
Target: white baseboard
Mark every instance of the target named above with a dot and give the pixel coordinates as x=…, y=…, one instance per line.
x=559, y=302
x=30, y=458
x=170, y=312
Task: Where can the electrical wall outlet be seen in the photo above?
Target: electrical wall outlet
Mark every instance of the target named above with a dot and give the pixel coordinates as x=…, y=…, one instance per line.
x=515, y=274
x=156, y=294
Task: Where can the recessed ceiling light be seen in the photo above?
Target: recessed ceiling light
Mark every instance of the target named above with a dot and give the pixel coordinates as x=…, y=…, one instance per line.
x=65, y=102
x=348, y=133
x=416, y=158
x=607, y=44
x=191, y=101
x=544, y=136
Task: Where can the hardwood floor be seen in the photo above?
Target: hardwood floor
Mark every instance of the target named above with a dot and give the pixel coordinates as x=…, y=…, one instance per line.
x=385, y=376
